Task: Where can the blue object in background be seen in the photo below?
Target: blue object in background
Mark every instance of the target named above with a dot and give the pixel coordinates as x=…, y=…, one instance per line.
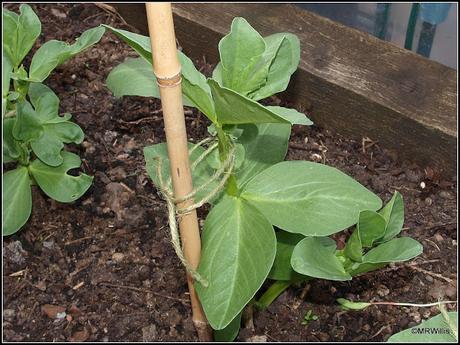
x=430, y=29
x=431, y=15
x=434, y=13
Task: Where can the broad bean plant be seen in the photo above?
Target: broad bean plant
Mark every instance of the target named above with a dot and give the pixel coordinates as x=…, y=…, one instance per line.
x=34, y=133
x=304, y=201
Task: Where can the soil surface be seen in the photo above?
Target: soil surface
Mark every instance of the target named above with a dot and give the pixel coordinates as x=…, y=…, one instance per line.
x=103, y=268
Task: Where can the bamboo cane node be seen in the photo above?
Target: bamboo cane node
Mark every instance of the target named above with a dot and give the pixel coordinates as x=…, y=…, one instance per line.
x=169, y=81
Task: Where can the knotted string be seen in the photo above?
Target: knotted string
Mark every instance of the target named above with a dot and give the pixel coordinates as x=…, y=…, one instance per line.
x=174, y=212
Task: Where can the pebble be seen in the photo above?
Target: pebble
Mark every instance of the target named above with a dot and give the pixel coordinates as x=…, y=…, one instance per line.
x=315, y=157
x=438, y=237
x=9, y=314
x=429, y=201
x=257, y=339
x=445, y=195
x=48, y=244
x=149, y=333
x=383, y=291
x=53, y=311
x=416, y=316
x=118, y=257
x=14, y=252
x=429, y=279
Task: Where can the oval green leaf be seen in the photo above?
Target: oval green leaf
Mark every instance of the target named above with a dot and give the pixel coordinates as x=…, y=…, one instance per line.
x=55, y=181
x=312, y=258
x=238, y=249
x=393, y=213
x=19, y=32
x=234, y=108
x=16, y=200
x=309, y=198
x=396, y=250
x=53, y=53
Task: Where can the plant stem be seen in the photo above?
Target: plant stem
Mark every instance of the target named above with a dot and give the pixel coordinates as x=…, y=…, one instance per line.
x=413, y=304
x=272, y=293
x=224, y=150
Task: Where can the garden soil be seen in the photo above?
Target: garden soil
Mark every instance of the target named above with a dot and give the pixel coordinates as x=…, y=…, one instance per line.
x=103, y=268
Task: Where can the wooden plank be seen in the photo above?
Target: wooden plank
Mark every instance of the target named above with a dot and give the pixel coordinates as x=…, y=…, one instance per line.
x=349, y=81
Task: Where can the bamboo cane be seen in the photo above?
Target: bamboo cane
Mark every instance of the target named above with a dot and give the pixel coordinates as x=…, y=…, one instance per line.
x=167, y=70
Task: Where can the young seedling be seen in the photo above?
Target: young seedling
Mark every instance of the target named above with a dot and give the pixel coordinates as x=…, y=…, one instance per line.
x=371, y=246
x=33, y=132
x=239, y=170
x=309, y=316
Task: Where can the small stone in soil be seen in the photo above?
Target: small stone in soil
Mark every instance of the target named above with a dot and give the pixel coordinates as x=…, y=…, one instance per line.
x=149, y=333
x=14, y=252
x=383, y=291
x=53, y=311
x=438, y=237
x=8, y=314
x=118, y=257
x=257, y=339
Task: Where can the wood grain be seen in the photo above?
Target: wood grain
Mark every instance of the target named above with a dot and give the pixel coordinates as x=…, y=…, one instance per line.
x=348, y=80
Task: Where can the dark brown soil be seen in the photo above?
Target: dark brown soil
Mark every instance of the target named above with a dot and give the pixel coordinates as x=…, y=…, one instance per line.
x=107, y=260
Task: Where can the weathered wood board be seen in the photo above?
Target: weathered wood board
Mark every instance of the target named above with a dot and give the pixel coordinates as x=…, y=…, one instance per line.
x=349, y=81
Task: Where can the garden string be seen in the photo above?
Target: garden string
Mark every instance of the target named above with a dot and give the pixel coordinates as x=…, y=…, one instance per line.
x=174, y=212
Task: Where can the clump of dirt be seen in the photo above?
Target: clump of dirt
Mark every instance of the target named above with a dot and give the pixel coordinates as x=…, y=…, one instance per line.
x=103, y=269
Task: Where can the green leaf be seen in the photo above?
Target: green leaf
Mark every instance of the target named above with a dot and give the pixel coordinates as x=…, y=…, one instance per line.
x=265, y=144
x=55, y=181
x=292, y=115
x=371, y=227
x=48, y=147
x=309, y=198
x=360, y=268
x=44, y=100
x=234, y=108
x=395, y=250
x=354, y=248
x=282, y=66
x=53, y=53
x=241, y=55
x=140, y=43
x=195, y=87
x=19, y=32
x=238, y=249
x=282, y=269
x=349, y=305
x=436, y=329
x=56, y=130
x=393, y=213
x=200, y=175
x=16, y=199
x=11, y=149
x=7, y=68
x=135, y=77
x=27, y=126
x=230, y=332
x=312, y=258
x=217, y=73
